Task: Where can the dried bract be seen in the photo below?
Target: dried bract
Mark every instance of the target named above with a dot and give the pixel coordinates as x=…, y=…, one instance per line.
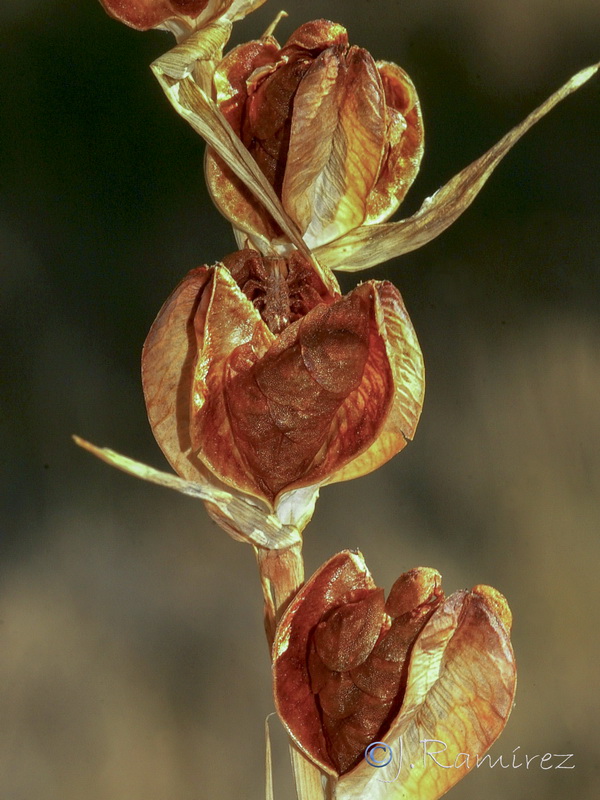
x=338, y=136
x=255, y=372
x=352, y=669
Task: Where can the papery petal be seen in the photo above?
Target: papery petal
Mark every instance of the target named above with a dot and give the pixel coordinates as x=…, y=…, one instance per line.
x=230, y=193
x=336, y=144
x=459, y=694
x=146, y=14
x=181, y=367
x=408, y=372
x=193, y=104
x=373, y=244
x=242, y=519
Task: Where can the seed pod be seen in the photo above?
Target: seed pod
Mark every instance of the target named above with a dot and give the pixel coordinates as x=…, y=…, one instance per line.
x=419, y=667
x=338, y=136
x=256, y=372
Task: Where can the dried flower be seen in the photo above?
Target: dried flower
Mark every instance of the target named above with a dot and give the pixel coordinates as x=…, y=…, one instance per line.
x=352, y=669
x=338, y=136
x=256, y=372
x=181, y=17
x=186, y=75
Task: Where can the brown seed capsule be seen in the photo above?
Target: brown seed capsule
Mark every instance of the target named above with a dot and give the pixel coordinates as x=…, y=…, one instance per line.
x=254, y=370
x=338, y=135
x=350, y=671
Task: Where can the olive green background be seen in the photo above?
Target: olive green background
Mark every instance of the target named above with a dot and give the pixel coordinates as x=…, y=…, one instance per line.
x=132, y=660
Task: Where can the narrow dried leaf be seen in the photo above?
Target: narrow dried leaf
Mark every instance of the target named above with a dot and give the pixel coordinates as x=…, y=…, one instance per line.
x=370, y=245
x=238, y=515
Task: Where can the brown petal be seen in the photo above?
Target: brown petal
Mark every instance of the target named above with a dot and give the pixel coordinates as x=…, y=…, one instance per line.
x=336, y=144
x=459, y=695
x=180, y=16
x=342, y=579
x=370, y=245
x=146, y=14
x=172, y=371
x=229, y=193
x=408, y=372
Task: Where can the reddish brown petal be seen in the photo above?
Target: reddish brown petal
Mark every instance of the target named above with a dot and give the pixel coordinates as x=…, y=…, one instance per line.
x=315, y=36
x=344, y=578
x=171, y=372
x=353, y=655
x=345, y=637
x=316, y=399
x=408, y=372
x=404, y=138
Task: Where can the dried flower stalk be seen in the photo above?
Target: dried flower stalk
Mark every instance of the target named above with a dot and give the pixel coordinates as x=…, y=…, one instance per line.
x=263, y=383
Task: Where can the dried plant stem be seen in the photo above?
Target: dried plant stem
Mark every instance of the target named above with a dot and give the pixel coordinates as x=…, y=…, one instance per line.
x=281, y=575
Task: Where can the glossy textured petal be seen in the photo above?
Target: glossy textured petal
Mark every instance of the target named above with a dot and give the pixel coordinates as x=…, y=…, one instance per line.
x=181, y=17
x=316, y=398
x=146, y=14
x=408, y=371
x=373, y=244
x=459, y=694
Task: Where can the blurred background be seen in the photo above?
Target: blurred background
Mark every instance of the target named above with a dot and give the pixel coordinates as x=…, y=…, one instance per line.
x=132, y=660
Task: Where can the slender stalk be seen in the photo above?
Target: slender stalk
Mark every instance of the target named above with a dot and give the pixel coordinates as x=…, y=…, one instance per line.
x=281, y=575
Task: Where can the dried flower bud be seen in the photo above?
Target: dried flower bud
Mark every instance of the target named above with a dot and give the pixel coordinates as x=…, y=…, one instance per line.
x=254, y=371
x=351, y=670
x=338, y=136
x=179, y=16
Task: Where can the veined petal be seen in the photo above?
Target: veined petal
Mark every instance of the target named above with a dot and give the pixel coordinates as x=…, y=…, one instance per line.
x=404, y=138
x=372, y=244
x=408, y=371
x=343, y=578
x=336, y=144
x=459, y=694
x=317, y=397
x=181, y=17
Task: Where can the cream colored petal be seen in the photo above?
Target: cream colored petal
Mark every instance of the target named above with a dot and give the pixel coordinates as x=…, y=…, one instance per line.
x=371, y=245
x=336, y=145
x=240, y=516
